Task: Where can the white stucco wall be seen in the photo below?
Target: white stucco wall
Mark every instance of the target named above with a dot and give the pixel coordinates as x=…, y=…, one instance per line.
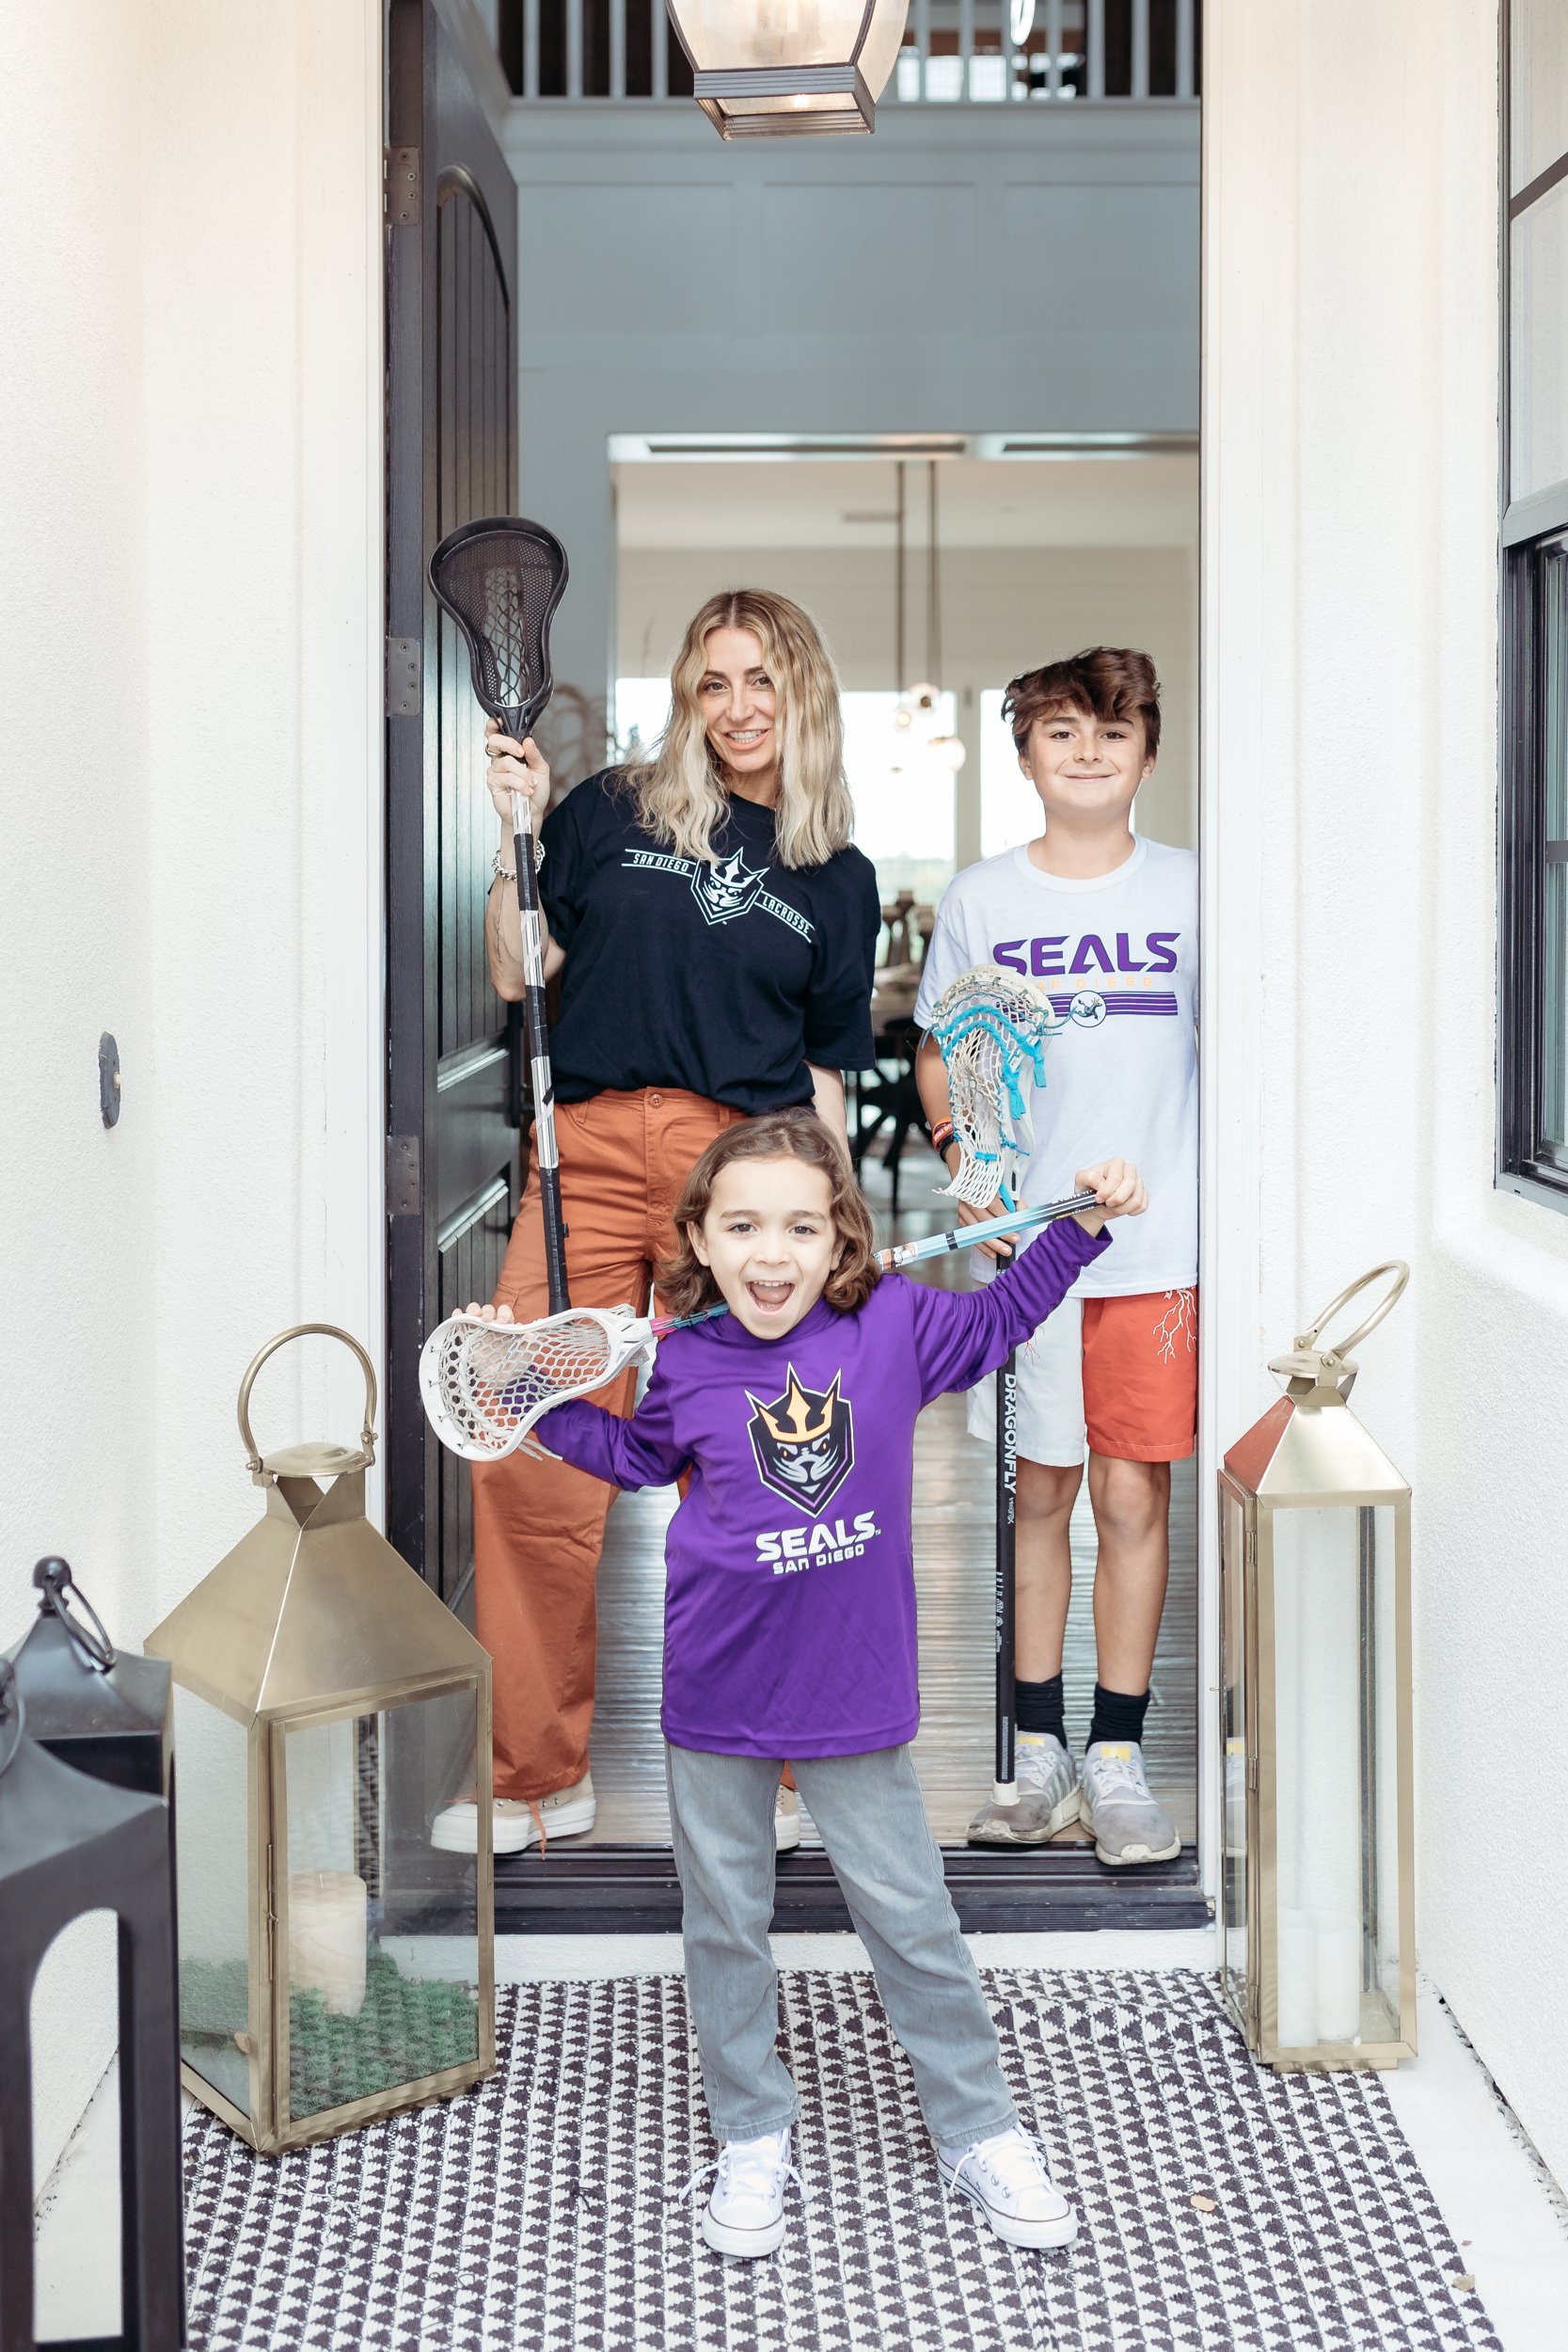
x=190, y=625
x=1351, y=812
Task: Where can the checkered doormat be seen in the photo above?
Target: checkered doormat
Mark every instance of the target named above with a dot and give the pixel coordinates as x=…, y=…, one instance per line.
x=1221, y=2206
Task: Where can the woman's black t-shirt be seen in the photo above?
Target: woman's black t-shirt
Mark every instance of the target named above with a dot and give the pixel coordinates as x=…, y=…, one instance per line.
x=725, y=979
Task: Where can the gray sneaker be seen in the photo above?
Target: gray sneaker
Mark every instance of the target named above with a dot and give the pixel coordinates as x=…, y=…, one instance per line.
x=1128, y=1824
x=1047, y=1797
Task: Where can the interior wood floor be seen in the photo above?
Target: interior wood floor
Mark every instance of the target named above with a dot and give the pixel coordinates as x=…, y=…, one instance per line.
x=953, y=1540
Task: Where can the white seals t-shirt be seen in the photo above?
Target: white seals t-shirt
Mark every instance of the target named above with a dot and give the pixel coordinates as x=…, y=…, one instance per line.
x=1119, y=957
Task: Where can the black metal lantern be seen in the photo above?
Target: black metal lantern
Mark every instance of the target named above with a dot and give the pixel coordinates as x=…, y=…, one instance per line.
x=92, y=1706
x=70, y=1844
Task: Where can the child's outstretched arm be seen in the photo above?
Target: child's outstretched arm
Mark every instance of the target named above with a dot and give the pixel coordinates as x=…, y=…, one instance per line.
x=641, y=1451
x=959, y=1337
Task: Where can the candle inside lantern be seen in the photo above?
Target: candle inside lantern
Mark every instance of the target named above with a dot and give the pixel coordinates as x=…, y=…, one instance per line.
x=1298, y=1979
x=329, y=1932
x=1339, y=1976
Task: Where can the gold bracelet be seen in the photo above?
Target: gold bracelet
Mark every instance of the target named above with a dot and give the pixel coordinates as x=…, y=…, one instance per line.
x=509, y=873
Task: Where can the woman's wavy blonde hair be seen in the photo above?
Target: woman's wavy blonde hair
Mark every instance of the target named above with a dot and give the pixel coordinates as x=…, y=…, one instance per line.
x=680, y=792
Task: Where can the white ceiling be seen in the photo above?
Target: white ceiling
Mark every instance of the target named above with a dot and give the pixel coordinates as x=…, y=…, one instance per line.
x=1141, y=499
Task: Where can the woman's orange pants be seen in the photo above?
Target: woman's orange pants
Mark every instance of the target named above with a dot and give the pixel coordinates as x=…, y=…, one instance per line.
x=538, y=1526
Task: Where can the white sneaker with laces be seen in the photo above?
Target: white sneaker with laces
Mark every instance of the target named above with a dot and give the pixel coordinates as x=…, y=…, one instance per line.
x=787, y=1821
x=1130, y=1825
x=744, y=2213
x=515, y=1823
x=1009, y=2180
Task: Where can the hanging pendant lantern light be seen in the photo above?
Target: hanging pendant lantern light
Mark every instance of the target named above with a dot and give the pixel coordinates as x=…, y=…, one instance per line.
x=779, y=67
x=917, y=714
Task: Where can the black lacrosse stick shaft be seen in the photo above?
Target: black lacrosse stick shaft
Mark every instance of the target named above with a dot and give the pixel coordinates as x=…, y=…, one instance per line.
x=1007, y=1561
x=501, y=579
x=541, y=1080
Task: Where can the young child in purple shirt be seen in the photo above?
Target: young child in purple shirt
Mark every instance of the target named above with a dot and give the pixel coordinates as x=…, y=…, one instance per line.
x=790, y=1632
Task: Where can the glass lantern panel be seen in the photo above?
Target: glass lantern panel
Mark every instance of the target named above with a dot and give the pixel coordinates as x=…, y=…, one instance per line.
x=1233, y=1728
x=774, y=35
x=212, y=1830
x=382, y=1948
x=1337, y=1786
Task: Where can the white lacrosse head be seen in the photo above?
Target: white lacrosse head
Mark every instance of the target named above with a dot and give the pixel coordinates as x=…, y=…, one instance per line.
x=992, y=1027
x=485, y=1384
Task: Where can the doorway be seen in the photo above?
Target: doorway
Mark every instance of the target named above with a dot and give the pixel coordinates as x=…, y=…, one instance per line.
x=1036, y=554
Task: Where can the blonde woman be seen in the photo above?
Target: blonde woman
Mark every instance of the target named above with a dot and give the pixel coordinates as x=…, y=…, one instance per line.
x=715, y=933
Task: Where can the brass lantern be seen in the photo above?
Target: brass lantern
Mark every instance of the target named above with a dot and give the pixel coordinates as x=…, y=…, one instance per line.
x=778, y=67
x=334, y=1965
x=1318, y=1957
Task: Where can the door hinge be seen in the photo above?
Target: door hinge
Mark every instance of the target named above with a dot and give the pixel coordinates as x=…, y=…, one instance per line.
x=403, y=1175
x=401, y=171
x=405, y=668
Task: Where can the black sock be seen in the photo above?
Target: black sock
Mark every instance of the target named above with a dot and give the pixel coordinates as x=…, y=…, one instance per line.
x=1040, y=1706
x=1117, y=1715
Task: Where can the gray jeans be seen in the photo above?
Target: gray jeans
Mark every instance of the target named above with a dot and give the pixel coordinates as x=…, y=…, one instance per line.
x=873, y=1824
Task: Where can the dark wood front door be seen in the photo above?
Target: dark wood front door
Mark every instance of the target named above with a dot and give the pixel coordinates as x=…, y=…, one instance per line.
x=453, y=1161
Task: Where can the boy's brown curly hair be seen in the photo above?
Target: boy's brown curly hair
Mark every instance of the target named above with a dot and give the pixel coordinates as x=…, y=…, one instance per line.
x=686, y=1285
x=1106, y=681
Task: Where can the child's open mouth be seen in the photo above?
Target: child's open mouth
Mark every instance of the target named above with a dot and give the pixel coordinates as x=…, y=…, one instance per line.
x=769, y=1299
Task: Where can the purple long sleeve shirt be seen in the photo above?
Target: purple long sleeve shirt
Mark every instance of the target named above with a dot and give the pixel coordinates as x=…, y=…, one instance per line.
x=789, y=1614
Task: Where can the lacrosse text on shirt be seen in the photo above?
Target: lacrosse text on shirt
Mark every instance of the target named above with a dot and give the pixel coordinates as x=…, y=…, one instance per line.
x=724, y=889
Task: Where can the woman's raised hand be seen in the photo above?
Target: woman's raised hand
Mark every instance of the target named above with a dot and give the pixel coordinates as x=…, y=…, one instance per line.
x=489, y=1315
x=514, y=766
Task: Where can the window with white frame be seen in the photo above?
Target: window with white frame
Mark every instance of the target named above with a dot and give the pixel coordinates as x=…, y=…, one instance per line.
x=1532, y=1029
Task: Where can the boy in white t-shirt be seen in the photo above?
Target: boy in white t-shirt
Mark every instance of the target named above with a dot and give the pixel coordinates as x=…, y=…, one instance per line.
x=1107, y=921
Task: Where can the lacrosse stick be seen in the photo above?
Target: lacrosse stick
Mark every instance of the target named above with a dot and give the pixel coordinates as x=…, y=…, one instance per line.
x=485, y=1384
x=501, y=581
x=992, y=1027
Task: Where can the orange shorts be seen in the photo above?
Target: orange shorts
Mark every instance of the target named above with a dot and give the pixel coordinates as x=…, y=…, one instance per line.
x=1118, y=1376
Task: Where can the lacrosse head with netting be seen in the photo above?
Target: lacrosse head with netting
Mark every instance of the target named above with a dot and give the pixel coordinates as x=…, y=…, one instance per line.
x=501, y=580
x=992, y=1027
x=485, y=1384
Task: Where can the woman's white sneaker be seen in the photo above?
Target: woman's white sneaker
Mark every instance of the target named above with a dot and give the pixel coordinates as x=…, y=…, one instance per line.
x=515, y=1825
x=744, y=2214
x=787, y=1821
x=1009, y=2178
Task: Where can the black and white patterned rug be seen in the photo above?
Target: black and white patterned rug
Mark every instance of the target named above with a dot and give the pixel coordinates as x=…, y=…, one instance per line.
x=1221, y=2205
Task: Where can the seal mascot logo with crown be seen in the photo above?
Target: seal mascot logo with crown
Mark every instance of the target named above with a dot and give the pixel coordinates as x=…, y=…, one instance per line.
x=728, y=888
x=804, y=1442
